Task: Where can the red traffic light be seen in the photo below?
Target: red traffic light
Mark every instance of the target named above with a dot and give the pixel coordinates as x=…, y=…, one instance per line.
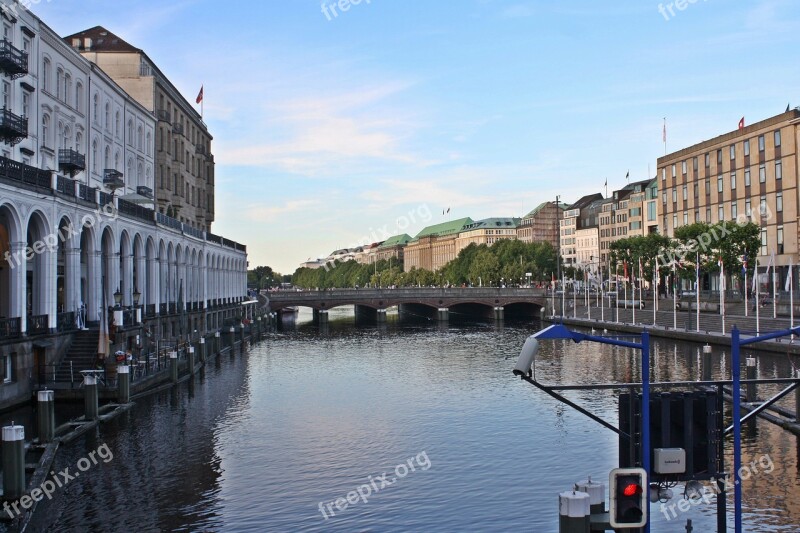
x=632, y=489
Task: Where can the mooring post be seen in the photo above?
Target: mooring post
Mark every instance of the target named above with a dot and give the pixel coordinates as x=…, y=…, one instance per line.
x=574, y=515
x=173, y=366
x=707, y=362
x=797, y=401
x=191, y=360
x=46, y=415
x=232, y=333
x=597, y=495
x=216, y=342
x=123, y=384
x=689, y=527
x=752, y=388
x=90, y=396
x=13, y=462
x=202, y=350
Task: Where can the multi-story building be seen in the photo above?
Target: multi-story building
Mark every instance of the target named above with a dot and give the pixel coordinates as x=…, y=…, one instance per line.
x=70, y=243
x=393, y=248
x=541, y=224
x=747, y=174
x=184, y=172
x=570, y=223
x=434, y=246
x=587, y=249
x=487, y=231
x=637, y=204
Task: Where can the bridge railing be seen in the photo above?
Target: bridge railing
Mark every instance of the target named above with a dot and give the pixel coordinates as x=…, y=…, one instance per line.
x=405, y=292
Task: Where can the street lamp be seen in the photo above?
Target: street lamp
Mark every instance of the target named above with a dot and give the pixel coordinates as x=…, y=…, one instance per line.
x=136, y=296
x=117, y=297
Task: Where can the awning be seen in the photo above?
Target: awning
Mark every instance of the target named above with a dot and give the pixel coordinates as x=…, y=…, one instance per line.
x=135, y=198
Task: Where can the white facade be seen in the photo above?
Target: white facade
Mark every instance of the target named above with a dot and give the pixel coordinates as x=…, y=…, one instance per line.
x=61, y=241
x=587, y=249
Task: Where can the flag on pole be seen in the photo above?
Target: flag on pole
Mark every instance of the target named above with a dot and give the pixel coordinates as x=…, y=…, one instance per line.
x=199, y=95
x=664, y=135
x=721, y=274
x=448, y=209
x=789, y=277
x=625, y=269
x=697, y=274
x=755, y=276
x=741, y=123
x=787, y=107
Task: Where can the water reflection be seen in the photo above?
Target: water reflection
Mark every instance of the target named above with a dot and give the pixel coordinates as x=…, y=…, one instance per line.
x=258, y=440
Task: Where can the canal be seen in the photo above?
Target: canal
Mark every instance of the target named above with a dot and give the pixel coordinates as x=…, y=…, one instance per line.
x=270, y=439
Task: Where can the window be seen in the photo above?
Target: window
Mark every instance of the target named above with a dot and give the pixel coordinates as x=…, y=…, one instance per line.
x=94, y=155
x=147, y=143
x=95, y=109
x=139, y=138
x=675, y=195
x=46, y=74
x=685, y=218
x=763, y=241
x=747, y=177
x=780, y=239
x=708, y=215
x=683, y=167
x=708, y=160
x=651, y=211
x=734, y=210
x=696, y=216
x=26, y=104
x=108, y=116
x=45, y=128
x=79, y=96
x=694, y=164
x=696, y=190
x=777, y=138
x=7, y=367
x=59, y=82
x=778, y=170
x=6, y=94
x=117, y=125
x=779, y=202
x=760, y=143
x=130, y=132
x=719, y=157
x=674, y=170
x=762, y=173
x=721, y=214
x=674, y=221
x=67, y=87
x=685, y=193
x=762, y=206
x=708, y=187
x=663, y=174
x=107, y=157
x=733, y=152
x=719, y=184
x=733, y=181
x=747, y=147
x=748, y=211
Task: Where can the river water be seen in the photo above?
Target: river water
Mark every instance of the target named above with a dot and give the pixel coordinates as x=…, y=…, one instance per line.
x=269, y=439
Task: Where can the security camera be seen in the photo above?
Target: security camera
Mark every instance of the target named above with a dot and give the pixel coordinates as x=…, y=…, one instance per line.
x=527, y=356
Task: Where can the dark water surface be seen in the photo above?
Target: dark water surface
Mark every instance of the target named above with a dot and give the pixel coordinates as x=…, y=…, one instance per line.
x=260, y=439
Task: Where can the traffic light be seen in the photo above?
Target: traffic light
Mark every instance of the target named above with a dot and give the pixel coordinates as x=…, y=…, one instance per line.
x=629, y=493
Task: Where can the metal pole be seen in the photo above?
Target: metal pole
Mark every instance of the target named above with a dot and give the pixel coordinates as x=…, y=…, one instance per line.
x=706, y=362
x=173, y=366
x=46, y=418
x=202, y=349
x=752, y=388
x=745, y=293
x=191, y=360
x=646, y=414
x=90, y=396
x=14, y=463
x=737, y=427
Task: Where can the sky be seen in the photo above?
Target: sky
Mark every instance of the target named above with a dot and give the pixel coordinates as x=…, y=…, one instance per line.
x=338, y=128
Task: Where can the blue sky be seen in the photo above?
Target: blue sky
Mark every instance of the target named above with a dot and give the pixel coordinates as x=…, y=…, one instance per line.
x=329, y=132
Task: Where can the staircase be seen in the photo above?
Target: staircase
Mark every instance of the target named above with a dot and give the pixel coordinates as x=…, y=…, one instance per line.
x=82, y=354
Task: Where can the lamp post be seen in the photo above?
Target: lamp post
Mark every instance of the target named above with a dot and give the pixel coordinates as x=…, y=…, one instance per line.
x=137, y=312
x=117, y=298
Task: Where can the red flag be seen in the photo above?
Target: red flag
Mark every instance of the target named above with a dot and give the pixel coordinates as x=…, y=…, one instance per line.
x=625, y=265
x=200, y=96
x=741, y=124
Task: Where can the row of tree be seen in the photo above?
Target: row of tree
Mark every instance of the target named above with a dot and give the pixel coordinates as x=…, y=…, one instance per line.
x=508, y=262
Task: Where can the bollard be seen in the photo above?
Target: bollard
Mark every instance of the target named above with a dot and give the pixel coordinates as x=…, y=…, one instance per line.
x=752, y=389
x=573, y=512
x=13, y=462
x=173, y=366
x=123, y=384
x=216, y=342
x=381, y=317
x=202, y=350
x=443, y=314
x=707, y=362
x=191, y=360
x=90, y=396
x=797, y=402
x=597, y=495
x=689, y=527
x=46, y=415
x=232, y=333
x=499, y=313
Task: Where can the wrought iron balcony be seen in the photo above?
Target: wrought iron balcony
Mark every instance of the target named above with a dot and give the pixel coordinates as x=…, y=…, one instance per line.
x=13, y=61
x=163, y=116
x=112, y=179
x=13, y=128
x=70, y=161
x=177, y=128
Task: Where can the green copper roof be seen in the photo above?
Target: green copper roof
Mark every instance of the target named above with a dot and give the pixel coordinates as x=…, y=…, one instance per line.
x=397, y=240
x=445, y=228
x=494, y=223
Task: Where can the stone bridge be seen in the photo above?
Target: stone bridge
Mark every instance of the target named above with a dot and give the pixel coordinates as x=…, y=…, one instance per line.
x=435, y=303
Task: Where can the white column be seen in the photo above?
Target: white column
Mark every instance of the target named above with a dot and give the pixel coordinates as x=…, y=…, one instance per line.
x=72, y=279
x=17, y=304
x=163, y=269
x=141, y=278
x=46, y=274
x=94, y=285
x=154, y=283
x=126, y=281
x=112, y=277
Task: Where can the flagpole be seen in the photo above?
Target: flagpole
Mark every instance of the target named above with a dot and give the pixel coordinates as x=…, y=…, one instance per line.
x=722, y=293
x=697, y=291
x=745, y=291
x=655, y=291
x=774, y=290
x=791, y=298
x=757, y=283
x=665, y=135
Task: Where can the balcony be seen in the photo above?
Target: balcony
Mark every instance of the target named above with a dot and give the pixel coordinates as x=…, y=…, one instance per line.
x=65, y=186
x=163, y=116
x=71, y=162
x=147, y=192
x=177, y=128
x=13, y=128
x=112, y=179
x=13, y=62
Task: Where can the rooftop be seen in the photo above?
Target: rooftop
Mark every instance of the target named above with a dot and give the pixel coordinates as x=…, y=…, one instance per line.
x=397, y=240
x=444, y=228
